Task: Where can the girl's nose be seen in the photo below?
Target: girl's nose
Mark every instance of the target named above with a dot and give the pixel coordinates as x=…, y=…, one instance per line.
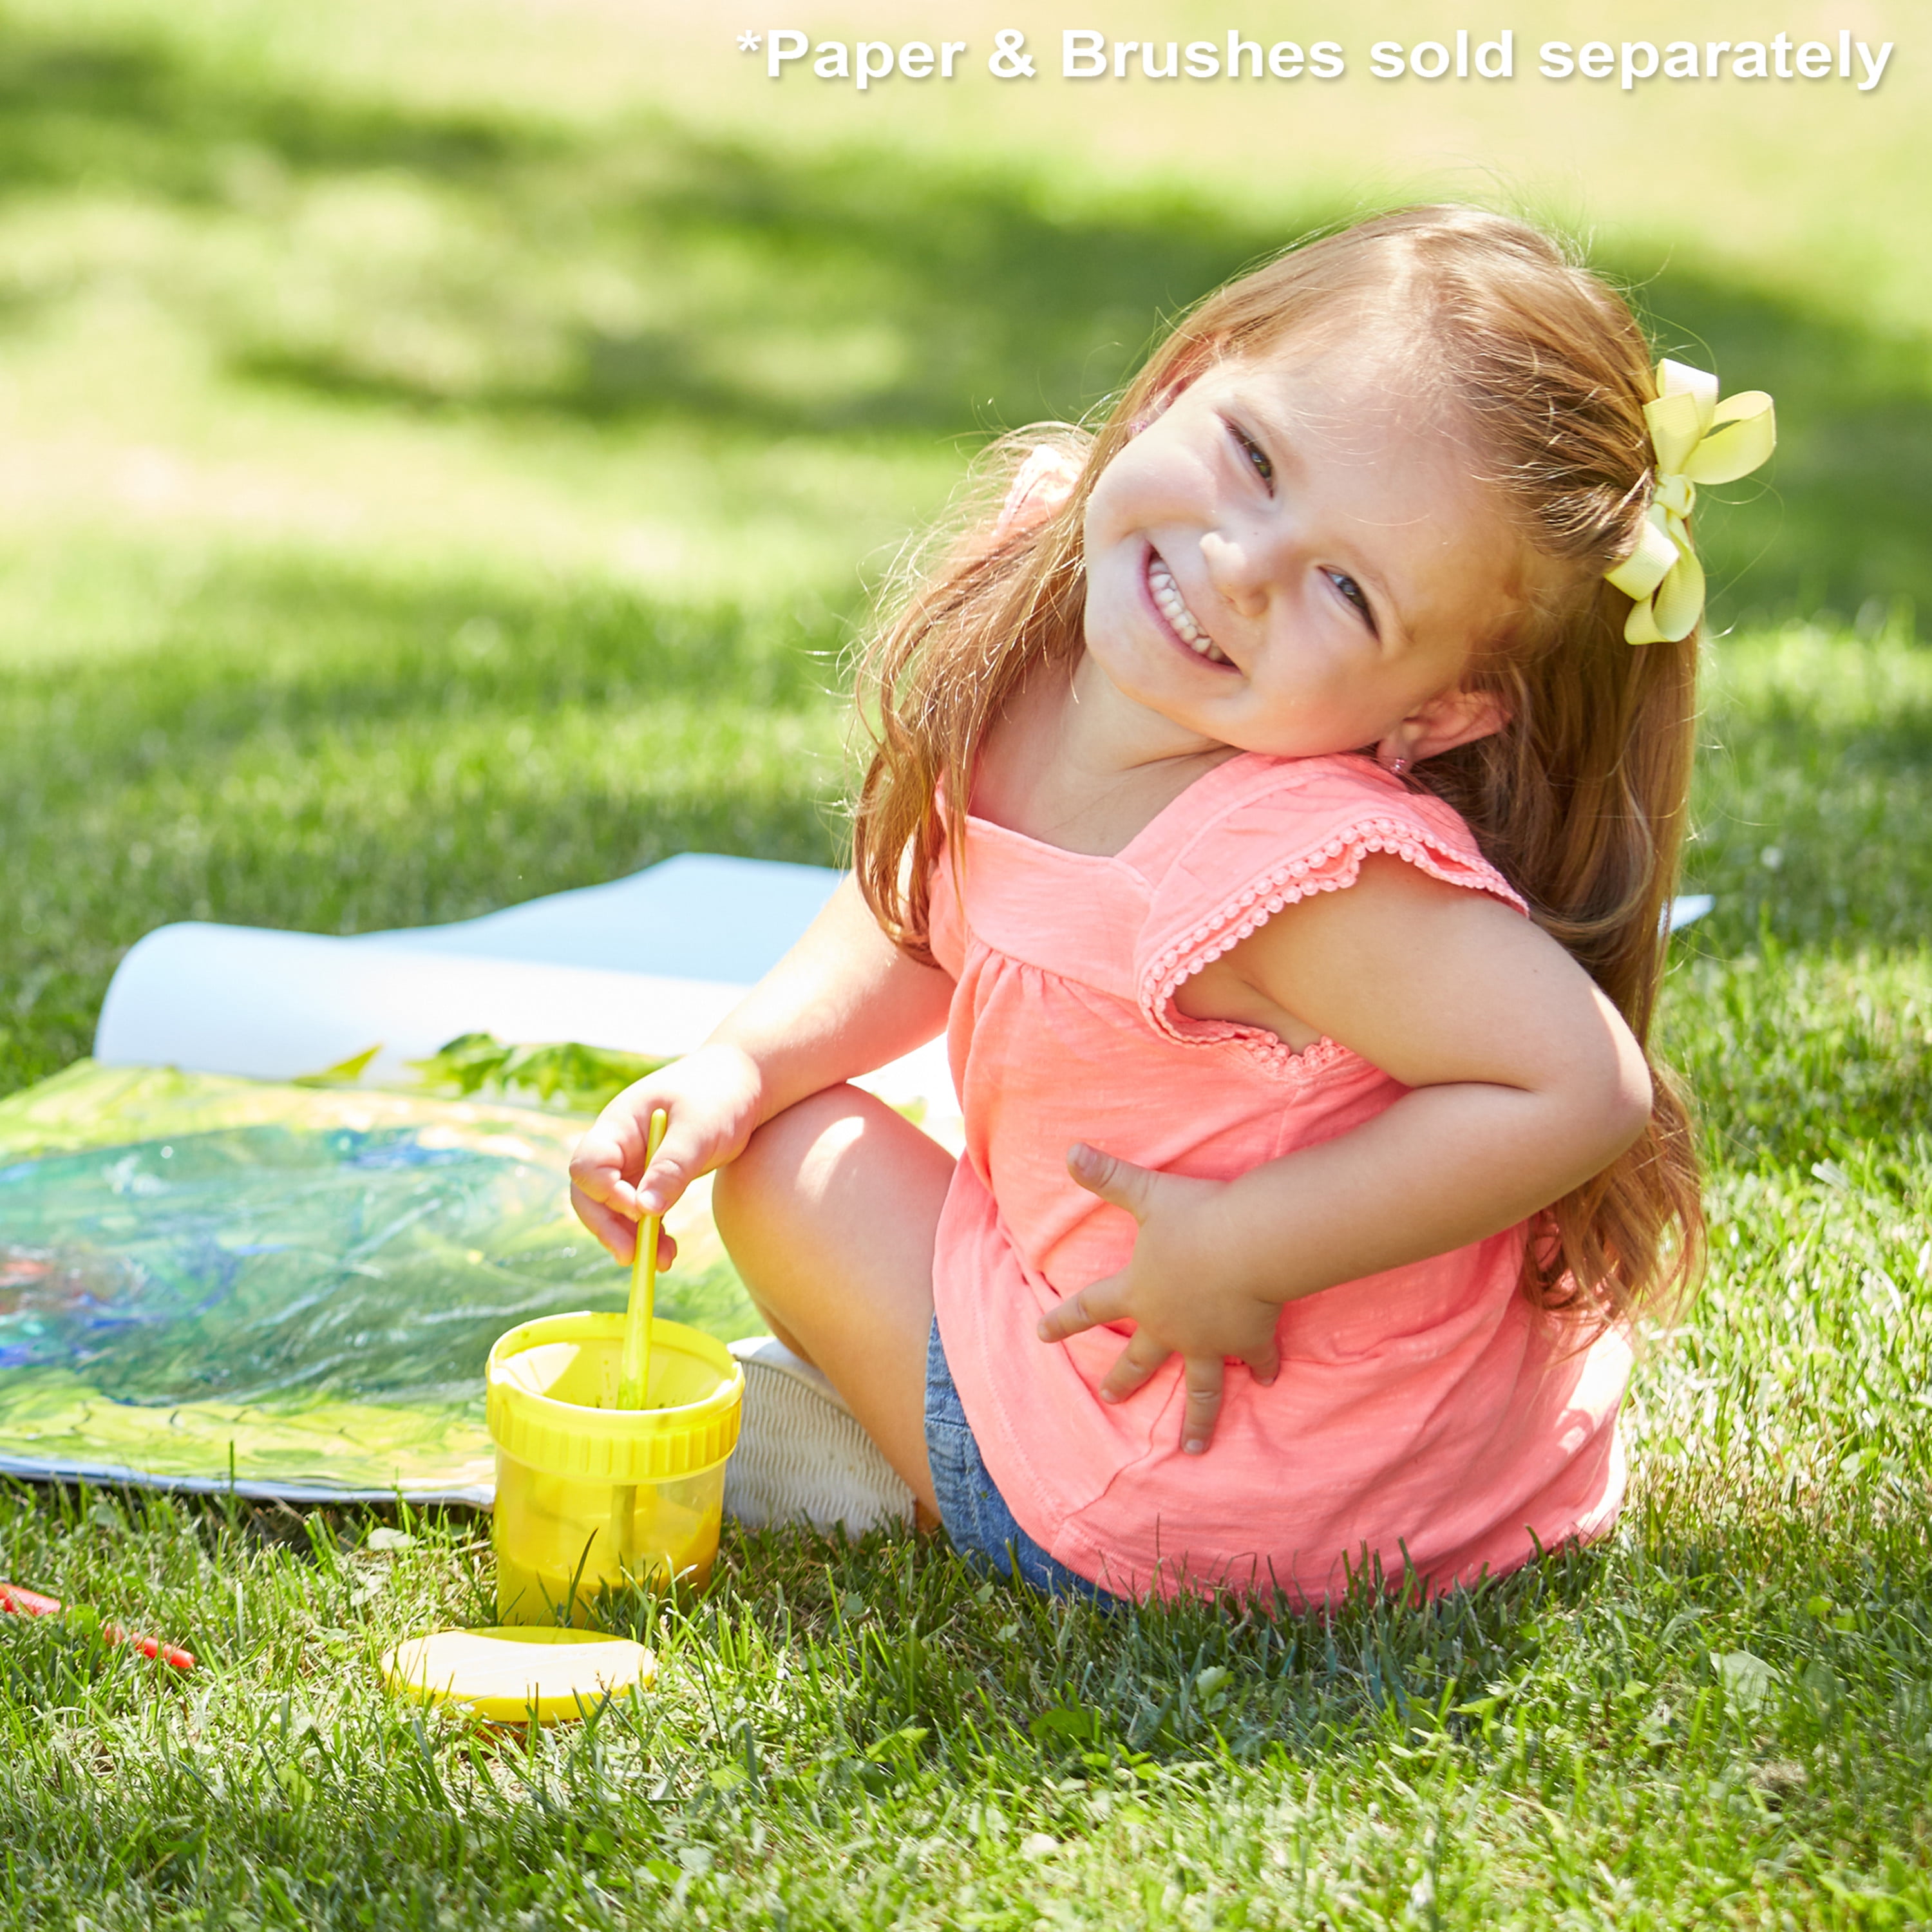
x=1237, y=567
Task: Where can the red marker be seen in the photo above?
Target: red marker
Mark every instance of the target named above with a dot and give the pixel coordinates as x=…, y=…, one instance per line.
x=31, y=1604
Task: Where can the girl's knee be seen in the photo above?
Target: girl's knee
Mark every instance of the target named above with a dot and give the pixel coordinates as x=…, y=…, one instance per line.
x=774, y=1170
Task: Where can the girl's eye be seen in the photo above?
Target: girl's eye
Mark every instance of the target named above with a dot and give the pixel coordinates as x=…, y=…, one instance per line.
x=1354, y=594
x=1255, y=454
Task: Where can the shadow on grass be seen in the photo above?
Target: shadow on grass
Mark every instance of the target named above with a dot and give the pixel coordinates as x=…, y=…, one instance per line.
x=307, y=656
x=301, y=647
x=890, y=294
x=130, y=112
x=860, y=291
x=332, y=751
x=927, y=1644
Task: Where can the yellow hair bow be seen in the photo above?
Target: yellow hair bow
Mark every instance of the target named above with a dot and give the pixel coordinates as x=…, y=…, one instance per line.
x=1697, y=440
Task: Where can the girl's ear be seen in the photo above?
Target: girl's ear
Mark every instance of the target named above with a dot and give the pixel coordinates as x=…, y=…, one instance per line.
x=1040, y=485
x=1450, y=719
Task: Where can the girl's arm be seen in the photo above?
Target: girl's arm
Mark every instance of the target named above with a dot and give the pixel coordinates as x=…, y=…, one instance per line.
x=844, y=1000
x=1526, y=1083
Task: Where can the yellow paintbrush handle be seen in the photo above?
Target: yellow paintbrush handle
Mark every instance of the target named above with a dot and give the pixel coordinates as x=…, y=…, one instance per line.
x=634, y=1371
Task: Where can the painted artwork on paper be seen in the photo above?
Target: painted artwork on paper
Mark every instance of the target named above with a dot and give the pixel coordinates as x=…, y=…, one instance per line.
x=207, y=1281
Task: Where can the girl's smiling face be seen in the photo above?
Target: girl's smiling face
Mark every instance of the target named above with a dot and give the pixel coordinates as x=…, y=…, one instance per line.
x=1297, y=557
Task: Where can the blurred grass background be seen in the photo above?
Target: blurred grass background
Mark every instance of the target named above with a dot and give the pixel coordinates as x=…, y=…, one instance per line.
x=444, y=448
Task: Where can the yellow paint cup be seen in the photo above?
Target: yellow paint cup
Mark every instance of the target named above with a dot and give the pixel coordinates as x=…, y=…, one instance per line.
x=588, y=1494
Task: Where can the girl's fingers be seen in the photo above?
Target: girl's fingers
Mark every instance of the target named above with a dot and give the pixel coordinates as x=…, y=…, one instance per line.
x=1204, y=1375
x=614, y=1150
x=597, y=1165
x=696, y=1140
x=618, y=1135
x=1099, y=1301
x=1132, y=1367
x=680, y=1160
x=1116, y=1181
x=617, y=1232
x=1264, y=1364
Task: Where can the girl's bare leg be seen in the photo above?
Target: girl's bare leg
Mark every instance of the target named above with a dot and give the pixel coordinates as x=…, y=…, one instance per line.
x=829, y=1214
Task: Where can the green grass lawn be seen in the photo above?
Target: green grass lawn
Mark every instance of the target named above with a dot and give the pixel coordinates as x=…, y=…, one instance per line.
x=414, y=505
x=1724, y=1714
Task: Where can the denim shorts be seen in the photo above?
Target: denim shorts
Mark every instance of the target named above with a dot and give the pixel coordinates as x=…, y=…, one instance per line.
x=976, y=1516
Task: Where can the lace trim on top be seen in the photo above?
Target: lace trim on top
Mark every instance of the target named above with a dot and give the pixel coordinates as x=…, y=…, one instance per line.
x=1328, y=866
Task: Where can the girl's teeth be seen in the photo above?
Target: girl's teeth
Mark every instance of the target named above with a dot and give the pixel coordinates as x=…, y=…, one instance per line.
x=1167, y=597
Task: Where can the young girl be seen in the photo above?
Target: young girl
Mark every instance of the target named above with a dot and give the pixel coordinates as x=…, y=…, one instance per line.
x=1212, y=786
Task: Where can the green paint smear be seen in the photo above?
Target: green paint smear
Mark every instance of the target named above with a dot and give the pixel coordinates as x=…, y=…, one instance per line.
x=53, y=1418
x=204, y=1280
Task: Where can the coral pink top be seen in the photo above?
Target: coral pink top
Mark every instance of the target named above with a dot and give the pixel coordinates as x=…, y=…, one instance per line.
x=1428, y=1411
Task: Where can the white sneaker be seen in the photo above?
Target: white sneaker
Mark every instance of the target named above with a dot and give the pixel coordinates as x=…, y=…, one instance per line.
x=802, y=1456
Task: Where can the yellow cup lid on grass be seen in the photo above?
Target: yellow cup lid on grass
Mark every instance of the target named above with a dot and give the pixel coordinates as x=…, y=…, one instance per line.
x=517, y=1675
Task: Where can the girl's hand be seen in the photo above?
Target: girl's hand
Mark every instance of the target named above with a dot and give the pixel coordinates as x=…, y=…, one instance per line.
x=712, y=1097
x=843, y=1000
x=1175, y=1290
